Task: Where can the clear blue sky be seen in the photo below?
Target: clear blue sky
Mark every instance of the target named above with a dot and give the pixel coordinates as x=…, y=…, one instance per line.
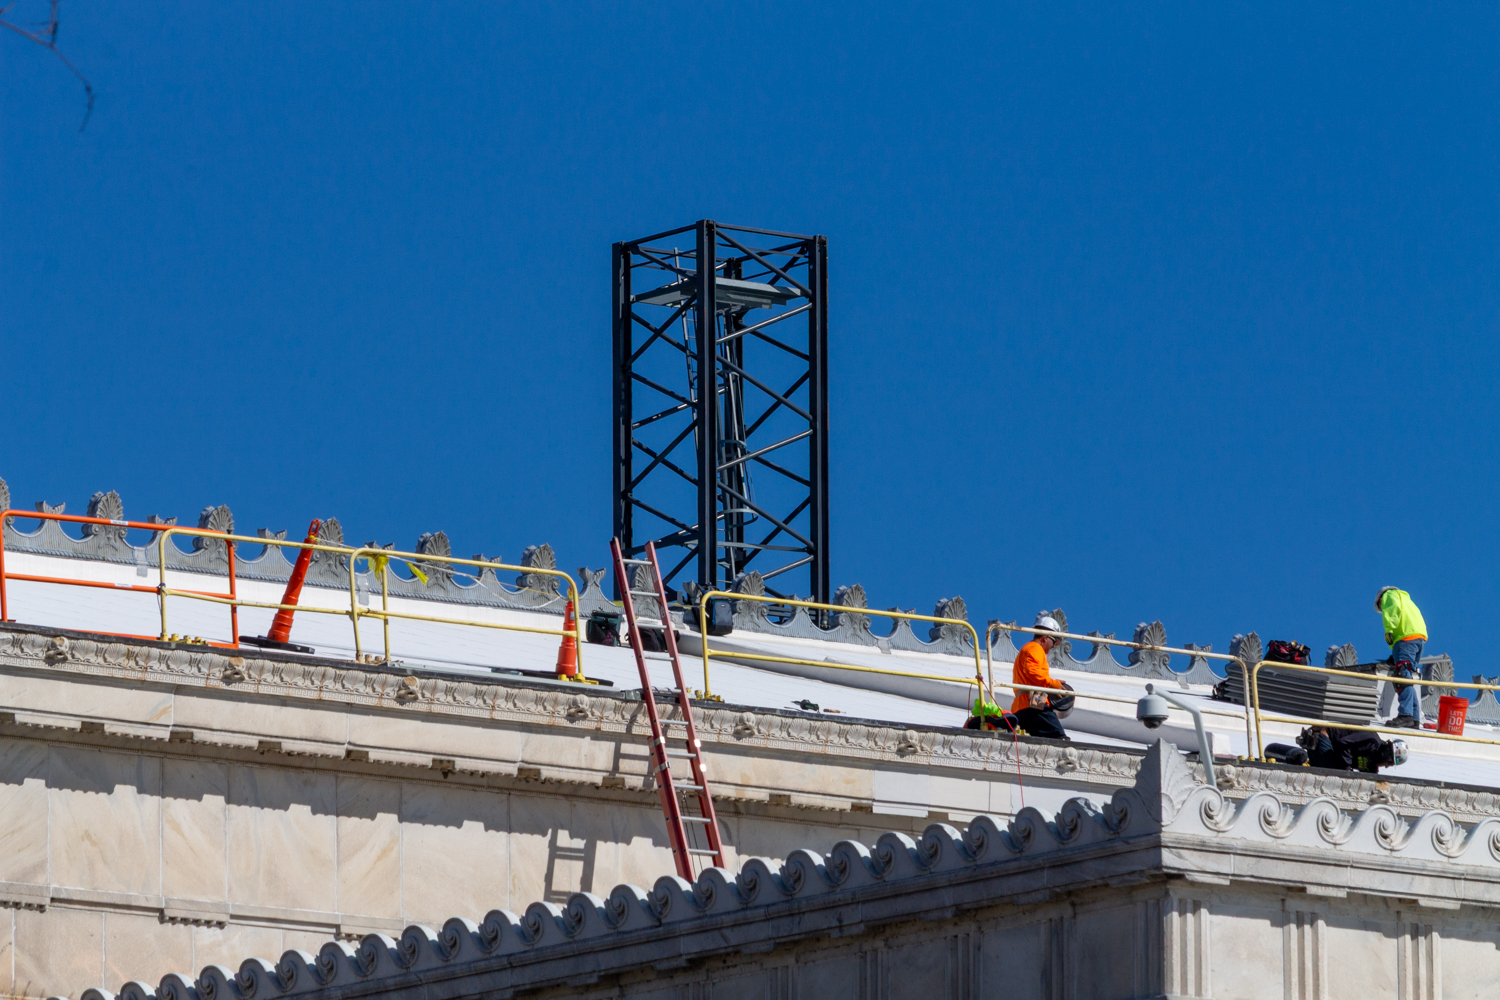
x=1181, y=312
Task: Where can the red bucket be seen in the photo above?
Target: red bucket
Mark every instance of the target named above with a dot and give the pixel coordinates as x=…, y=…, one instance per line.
x=1452, y=713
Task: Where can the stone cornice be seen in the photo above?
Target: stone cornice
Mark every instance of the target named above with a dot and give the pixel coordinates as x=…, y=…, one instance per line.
x=453, y=698
x=1165, y=826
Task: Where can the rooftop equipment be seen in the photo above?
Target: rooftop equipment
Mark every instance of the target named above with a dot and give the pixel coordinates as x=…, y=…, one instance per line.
x=721, y=342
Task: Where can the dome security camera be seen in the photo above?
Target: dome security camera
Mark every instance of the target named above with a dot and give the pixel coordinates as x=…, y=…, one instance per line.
x=1152, y=709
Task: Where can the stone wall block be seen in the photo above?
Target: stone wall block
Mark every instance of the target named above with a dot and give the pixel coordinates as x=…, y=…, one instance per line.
x=98, y=790
x=230, y=945
x=195, y=797
x=41, y=968
x=440, y=823
x=138, y=946
x=282, y=834
x=23, y=813
x=7, y=929
x=369, y=847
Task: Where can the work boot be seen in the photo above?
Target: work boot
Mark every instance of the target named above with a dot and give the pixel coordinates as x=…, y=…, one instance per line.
x=1406, y=722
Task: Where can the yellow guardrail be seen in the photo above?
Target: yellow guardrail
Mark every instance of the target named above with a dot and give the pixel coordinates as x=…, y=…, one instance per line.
x=762, y=599
x=385, y=614
x=379, y=561
x=1253, y=696
x=1101, y=640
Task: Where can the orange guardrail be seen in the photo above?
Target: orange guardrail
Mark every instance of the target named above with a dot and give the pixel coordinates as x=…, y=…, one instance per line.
x=159, y=591
x=378, y=559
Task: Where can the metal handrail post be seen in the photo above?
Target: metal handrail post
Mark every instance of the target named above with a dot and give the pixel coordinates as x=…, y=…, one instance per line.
x=354, y=613
x=385, y=605
x=234, y=609
x=4, y=602
x=161, y=587
x=1254, y=691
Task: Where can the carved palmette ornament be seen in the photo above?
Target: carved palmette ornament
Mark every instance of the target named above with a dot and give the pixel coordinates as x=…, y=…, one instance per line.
x=4, y=496
x=330, y=567
x=538, y=557
x=851, y=596
x=643, y=583
x=109, y=507
x=950, y=607
x=750, y=614
x=219, y=518
x=1246, y=648
x=1341, y=657
x=435, y=543
x=1153, y=663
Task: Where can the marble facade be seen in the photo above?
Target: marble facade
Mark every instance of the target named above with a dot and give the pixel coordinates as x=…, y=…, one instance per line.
x=165, y=808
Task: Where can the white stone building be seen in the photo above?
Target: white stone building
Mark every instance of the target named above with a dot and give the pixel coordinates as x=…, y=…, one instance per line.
x=174, y=806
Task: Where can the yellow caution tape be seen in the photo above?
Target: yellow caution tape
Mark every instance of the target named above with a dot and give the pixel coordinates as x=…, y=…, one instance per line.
x=379, y=563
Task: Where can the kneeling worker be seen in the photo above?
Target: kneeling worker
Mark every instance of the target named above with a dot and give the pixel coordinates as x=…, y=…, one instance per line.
x=1032, y=709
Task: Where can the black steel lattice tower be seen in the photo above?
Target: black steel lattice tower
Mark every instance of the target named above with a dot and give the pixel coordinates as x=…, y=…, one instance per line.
x=721, y=346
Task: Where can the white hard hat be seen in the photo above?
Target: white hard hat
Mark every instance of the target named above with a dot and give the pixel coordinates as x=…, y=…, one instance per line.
x=1046, y=623
x=1399, y=753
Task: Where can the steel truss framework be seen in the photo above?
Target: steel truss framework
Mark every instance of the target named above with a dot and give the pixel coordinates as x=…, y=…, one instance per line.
x=721, y=405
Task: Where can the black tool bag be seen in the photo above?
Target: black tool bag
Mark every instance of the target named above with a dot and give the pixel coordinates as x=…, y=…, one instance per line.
x=1283, y=651
x=603, y=628
x=720, y=617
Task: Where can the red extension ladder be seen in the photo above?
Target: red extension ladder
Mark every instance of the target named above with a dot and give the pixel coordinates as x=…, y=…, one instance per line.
x=687, y=746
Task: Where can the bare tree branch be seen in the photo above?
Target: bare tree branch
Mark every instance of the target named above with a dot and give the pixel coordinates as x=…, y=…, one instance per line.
x=47, y=39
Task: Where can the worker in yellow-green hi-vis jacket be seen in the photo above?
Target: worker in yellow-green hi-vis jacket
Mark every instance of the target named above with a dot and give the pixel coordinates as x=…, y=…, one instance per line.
x=1405, y=633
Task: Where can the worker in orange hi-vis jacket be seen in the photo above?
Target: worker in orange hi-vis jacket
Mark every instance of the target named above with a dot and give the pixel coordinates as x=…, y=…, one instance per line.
x=1033, y=710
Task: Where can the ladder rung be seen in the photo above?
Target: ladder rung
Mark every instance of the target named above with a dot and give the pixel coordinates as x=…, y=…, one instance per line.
x=672, y=722
x=688, y=788
x=711, y=854
x=680, y=753
x=696, y=819
x=646, y=593
x=636, y=562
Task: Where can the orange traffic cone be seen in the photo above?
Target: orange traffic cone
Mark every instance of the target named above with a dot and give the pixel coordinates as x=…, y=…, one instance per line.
x=567, y=653
x=281, y=625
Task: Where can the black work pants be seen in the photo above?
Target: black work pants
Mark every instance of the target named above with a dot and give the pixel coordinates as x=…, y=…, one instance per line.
x=1041, y=722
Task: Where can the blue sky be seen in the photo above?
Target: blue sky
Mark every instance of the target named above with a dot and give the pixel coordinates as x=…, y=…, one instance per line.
x=1183, y=312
